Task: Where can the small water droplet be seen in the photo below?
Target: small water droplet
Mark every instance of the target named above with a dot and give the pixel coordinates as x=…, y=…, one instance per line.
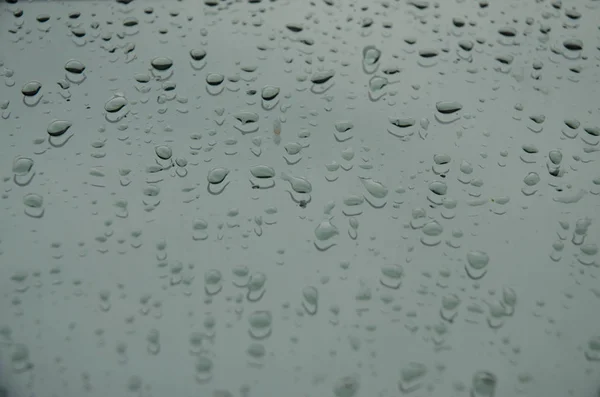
x=347, y=386
x=484, y=384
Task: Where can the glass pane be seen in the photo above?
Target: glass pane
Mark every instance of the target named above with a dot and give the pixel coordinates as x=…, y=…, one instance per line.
x=299, y=198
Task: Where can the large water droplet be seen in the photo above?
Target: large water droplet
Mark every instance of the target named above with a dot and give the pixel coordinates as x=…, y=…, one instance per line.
x=198, y=54
x=310, y=300
x=31, y=88
x=391, y=276
x=256, y=286
x=74, y=66
x=57, y=128
x=213, y=281
x=34, y=205
x=260, y=324
x=161, y=63
x=477, y=262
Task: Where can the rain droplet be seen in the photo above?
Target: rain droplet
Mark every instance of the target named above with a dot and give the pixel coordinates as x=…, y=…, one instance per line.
x=592, y=352
x=448, y=107
x=256, y=286
x=215, y=177
x=161, y=63
x=21, y=169
x=198, y=54
x=450, y=304
x=153, y=339
x=213, y=282
x=391, y=276
x=19, y=358
x=215, y=79
x=31, y=88
x=477, y=262
x=347, y=386
x=371, y=56
x=509, y=298
x=34, y=205
x=164, y=152
x=74, y=66
x=269, y=92
x=431, y=232
x=412, y=377
x=204, y=369
x=324, y=232
x=57, y=128
x=260, y=324
x=484, y=384
x=311, y=299
x=256, y=352
x=241, y=276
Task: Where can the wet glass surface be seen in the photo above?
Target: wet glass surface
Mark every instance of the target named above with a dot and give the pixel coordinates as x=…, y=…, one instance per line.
x=299, y=198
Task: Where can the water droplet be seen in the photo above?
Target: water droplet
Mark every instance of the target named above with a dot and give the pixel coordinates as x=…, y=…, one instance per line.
x=391, y=276
x=256, y=353
x=57, y=128
x=74, y=66
x=320, y=79
x=134, y=383
x=213, y=282
x=104, y=300
x=450, y=304
x=34, y=205
x=298, y=184
x=215, y=177
x=153, y=339
x=323, y=233
x=447, y=111
x=592, y=352
x=19, y=358
x=31, y=88
x=256, y=286
x=204, y=369
x=164, y=152
x=260, y=324
x=484, y=384
x=311, y=300
x=412, y=377
x=198, y=54
x=22, y=169
x=377, y=190
x=448, y=107
x=268, y=94
x=347, y=386
x=371, y=56
x=509, y=299
x=161, y=63
x=477, y=262
x=496, y=314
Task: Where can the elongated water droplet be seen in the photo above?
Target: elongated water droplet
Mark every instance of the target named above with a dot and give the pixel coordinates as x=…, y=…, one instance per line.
x=310, y=300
